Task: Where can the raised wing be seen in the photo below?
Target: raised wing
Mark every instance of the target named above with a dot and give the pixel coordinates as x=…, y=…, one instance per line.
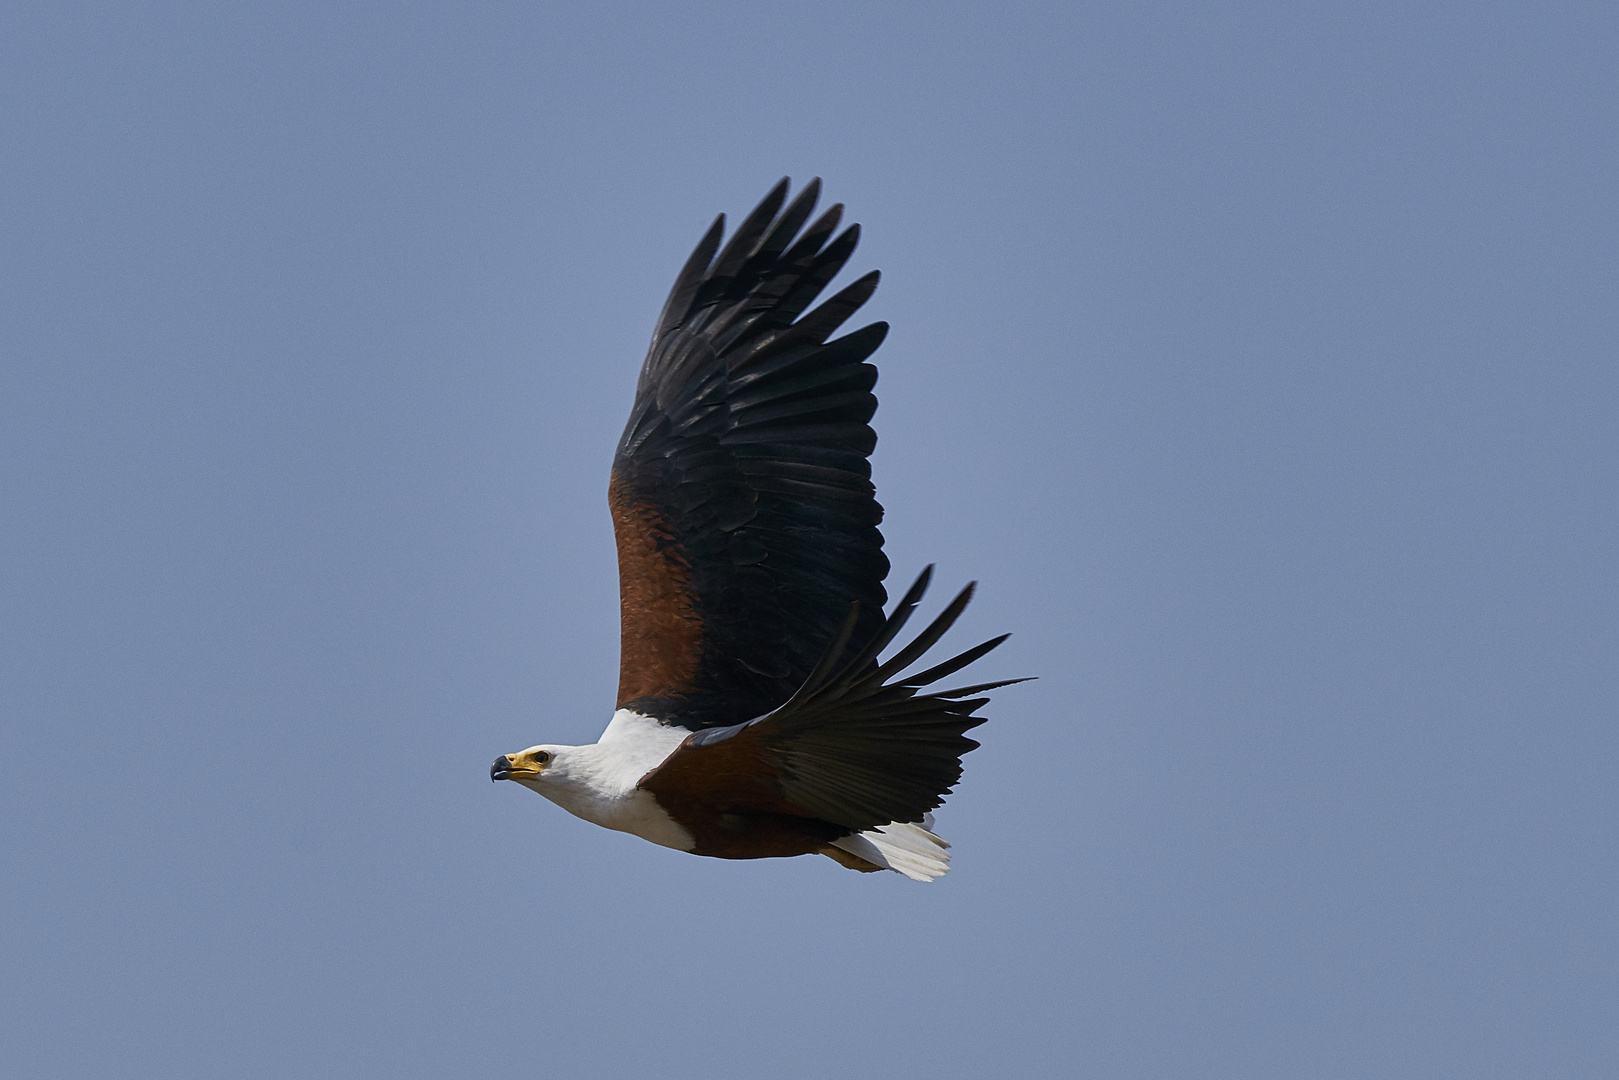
x=741, y=493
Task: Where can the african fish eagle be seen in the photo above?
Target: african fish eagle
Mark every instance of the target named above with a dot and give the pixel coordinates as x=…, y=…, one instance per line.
x=755, y=718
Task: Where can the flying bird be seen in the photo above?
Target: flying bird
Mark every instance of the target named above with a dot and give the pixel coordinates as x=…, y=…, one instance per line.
x=755, y=716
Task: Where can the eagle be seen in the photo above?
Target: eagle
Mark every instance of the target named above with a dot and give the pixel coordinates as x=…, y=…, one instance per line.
x=756, y=717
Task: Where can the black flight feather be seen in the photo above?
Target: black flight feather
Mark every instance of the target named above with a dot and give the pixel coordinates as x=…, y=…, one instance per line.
x=854, y=749
x=747, y=446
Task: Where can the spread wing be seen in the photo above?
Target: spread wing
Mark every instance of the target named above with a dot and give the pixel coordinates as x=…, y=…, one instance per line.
x=741, y=492
x=859, y=745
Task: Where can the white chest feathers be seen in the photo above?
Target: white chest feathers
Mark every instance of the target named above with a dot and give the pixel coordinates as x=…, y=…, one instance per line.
x=597, y=782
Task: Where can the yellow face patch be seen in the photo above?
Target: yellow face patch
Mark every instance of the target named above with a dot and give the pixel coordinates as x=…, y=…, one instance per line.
x=528, y=763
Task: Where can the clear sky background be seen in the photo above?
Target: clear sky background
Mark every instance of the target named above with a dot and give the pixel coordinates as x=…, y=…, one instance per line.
x=1259, y=360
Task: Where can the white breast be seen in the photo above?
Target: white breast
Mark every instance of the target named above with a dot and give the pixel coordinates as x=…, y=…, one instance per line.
x=598, y=782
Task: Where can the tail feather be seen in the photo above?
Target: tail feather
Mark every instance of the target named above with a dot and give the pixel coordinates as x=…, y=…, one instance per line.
x=907, y=848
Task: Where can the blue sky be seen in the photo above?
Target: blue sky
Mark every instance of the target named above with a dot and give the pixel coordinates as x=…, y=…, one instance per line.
x=1257, y=359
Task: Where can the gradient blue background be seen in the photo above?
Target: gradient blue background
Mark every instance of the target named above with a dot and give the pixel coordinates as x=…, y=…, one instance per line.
x=1259, y=359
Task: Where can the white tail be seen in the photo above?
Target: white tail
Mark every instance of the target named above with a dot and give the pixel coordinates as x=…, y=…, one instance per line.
x=911, y=849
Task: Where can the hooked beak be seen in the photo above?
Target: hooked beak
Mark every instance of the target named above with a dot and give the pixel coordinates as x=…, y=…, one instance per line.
x=521, y=766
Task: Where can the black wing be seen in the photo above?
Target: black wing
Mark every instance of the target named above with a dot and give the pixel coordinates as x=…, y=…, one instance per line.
x=859, y=745
x=741, y=492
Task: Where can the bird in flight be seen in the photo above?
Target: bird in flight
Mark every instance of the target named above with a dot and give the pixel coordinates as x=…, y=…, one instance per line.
x=756, y=717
